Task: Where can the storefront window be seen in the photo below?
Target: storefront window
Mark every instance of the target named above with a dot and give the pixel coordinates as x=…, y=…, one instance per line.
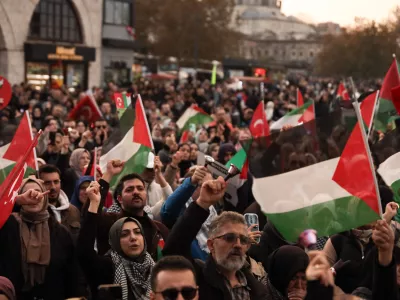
x=119, y=76
x=75, y=75
x=57, y=75
x=37, y=74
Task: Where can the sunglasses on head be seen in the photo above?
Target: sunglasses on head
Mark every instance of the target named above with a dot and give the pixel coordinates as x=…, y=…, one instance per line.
x=188, y=293
x=232, y=238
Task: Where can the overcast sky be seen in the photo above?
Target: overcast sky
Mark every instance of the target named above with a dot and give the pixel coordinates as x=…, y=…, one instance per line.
x=338, y=11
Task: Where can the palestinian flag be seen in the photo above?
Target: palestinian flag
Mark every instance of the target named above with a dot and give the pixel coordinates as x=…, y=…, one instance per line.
x=11, y=152
x=300, y=100
x=130, y=143
x=193, y=115
x=386, y=107
x=303, y=113
x=367, y=108
x=122, y=102
x=330, y=190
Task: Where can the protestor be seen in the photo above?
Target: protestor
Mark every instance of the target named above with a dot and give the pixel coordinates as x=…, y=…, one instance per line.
x=65, y=213
x=173, y=276
x=41, y=261
x=128, y=263
x=224, y=274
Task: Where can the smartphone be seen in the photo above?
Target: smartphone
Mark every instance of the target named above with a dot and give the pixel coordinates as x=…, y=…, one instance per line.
x=52, y=137
x=252, y=219
x=110, y=292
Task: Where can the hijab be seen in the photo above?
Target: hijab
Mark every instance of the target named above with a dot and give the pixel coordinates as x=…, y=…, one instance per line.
x=7, y=288
x=75, y=196
x=283, y=264
x=132, y=273
x=75, y=158
x=35, y=240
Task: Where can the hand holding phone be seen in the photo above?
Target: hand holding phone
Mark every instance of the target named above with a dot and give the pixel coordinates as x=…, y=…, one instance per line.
x=254, y=227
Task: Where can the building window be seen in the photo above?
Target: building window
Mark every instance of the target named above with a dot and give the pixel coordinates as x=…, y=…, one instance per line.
x=55, y=20
x=311, y=54
x=117, y=12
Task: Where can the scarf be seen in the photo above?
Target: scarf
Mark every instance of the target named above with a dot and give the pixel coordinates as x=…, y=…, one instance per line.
x=74, y=160
x=35, y=241
x=130, y=273
x=363, y=236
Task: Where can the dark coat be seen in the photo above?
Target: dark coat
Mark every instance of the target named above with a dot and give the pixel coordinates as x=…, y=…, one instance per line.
x=211, y=283
x=68, y=181
x=62, y=274
x=98, y=269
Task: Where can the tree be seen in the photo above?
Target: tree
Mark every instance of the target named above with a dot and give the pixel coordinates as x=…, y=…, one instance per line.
x=364, y=51
x=187, y=29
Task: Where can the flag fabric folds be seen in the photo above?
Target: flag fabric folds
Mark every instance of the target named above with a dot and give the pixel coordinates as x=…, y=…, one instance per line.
x=330, y=188
x=10, y=153
x=387, y=108
x=296, y=116
x=86, y=109
x=131, y=143
x=193, y=115
x=10, y=186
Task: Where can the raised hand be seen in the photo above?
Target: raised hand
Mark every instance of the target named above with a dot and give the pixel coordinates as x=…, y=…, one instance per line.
x=157, y=165
x=383, y=237
x=253, y=235
x=390, y=211
x=176, y=159
x=198, y=175
x=65, y=144
x=30, y=197
x=211, y=192
x=319, y=269
x=114, y=167
x=93, y=192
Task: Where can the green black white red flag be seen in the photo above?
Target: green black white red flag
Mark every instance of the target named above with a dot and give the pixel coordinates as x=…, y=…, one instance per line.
x=330, y=188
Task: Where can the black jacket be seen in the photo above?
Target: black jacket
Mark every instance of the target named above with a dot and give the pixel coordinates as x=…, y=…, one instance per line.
x=62, y=274
x=211, y=283
x=98, y=269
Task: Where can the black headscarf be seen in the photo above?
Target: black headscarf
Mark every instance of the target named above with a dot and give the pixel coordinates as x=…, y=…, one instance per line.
x=283, y=265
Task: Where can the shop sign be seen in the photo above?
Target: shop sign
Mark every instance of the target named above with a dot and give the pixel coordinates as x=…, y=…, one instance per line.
x=63, y=53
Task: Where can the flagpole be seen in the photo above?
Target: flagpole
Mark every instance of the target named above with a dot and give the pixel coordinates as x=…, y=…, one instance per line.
x=376, y=105
x=94, y=163
x=354, y=88
x=360, y=122
x=34, y=149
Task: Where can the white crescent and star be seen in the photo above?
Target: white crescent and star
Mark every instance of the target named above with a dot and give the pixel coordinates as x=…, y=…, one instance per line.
x=258, y=122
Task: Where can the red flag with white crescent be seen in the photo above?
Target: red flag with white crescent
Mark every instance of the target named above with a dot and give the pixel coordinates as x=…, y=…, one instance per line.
x=259, y=124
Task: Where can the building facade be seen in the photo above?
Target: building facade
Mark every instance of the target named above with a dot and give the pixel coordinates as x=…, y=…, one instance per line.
x=273, y=39
x=55, y=42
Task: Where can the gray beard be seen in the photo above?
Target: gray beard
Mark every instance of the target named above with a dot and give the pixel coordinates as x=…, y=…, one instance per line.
x=230, y=263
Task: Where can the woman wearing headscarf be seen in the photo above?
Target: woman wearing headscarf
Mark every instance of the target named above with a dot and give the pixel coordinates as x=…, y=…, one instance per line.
x=287, y=273
x=7, y=289
x=78, y=160
x=41, y=263
x=127, y=263
x=79, y=197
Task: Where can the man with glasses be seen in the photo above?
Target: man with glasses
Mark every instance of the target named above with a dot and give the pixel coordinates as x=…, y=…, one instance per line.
x=65, y=213
x=224, y=275
x=173, y=278
x=101, y=132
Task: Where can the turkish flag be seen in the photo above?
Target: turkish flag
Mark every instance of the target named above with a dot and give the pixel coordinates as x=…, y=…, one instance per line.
x=86, y=109
x=342, y=92
x=259, y=124
x=10, y=186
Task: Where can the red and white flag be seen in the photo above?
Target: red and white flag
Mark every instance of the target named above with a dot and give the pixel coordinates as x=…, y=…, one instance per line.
x=10, y=186
x=86, y=109
x=259, y=124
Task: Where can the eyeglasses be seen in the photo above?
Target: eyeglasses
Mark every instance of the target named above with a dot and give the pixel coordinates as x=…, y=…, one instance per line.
x=187, y=292
x=232, y=238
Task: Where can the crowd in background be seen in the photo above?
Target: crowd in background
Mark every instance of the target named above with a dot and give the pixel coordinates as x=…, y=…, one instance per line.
x=158, y=228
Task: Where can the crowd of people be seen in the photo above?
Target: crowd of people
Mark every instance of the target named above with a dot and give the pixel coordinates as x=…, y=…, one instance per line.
x=169, y=233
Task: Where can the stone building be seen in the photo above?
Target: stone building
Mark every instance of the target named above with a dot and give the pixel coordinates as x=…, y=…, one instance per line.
x=51, y=41
x=273, y=39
